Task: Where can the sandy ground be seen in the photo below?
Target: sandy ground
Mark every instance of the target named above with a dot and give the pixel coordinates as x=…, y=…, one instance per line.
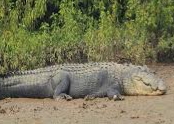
x=133, y=110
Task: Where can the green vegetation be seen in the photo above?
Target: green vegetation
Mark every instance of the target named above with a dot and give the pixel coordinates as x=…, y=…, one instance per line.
x=36, y=33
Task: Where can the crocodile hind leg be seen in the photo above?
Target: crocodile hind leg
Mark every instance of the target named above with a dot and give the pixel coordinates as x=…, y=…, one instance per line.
x=62, y=89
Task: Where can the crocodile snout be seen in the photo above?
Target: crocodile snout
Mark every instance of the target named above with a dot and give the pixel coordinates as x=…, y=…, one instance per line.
x=162, y=87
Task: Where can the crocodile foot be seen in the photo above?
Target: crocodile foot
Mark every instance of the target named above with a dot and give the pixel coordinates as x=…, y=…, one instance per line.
x=118, y=97
x=63, y=96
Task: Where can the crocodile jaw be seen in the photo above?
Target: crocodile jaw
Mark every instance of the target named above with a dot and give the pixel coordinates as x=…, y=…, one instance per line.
x=142, y=83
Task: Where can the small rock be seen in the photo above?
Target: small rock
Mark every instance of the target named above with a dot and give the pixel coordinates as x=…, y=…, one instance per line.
x=84, y=106
x=2, y=111
x=122, y=111
x=102, y=106
x=134, y=117
x=38, y=109
x=55, y=108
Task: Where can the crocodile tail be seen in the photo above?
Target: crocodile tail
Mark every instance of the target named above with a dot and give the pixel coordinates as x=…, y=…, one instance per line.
x=4, y=83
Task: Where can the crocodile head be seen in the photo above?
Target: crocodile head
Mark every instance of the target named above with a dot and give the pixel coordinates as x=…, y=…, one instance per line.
x=143, y=82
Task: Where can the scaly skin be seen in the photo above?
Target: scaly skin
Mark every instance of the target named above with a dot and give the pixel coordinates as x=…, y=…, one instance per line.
x=88, y=81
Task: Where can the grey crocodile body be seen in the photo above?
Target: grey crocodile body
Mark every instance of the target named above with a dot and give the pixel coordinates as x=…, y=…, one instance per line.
x=82, y=80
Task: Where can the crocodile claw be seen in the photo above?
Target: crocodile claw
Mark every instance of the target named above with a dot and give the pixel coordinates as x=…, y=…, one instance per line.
x=118, y=97
x=63, y=96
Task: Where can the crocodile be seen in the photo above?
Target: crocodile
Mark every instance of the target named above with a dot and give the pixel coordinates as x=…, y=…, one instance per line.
x=88, y=80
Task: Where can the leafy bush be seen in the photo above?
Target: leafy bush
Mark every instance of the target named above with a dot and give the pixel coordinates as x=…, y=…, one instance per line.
x=37, y=33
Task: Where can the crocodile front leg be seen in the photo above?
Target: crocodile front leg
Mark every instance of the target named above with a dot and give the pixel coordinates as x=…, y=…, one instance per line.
x=113, y=92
